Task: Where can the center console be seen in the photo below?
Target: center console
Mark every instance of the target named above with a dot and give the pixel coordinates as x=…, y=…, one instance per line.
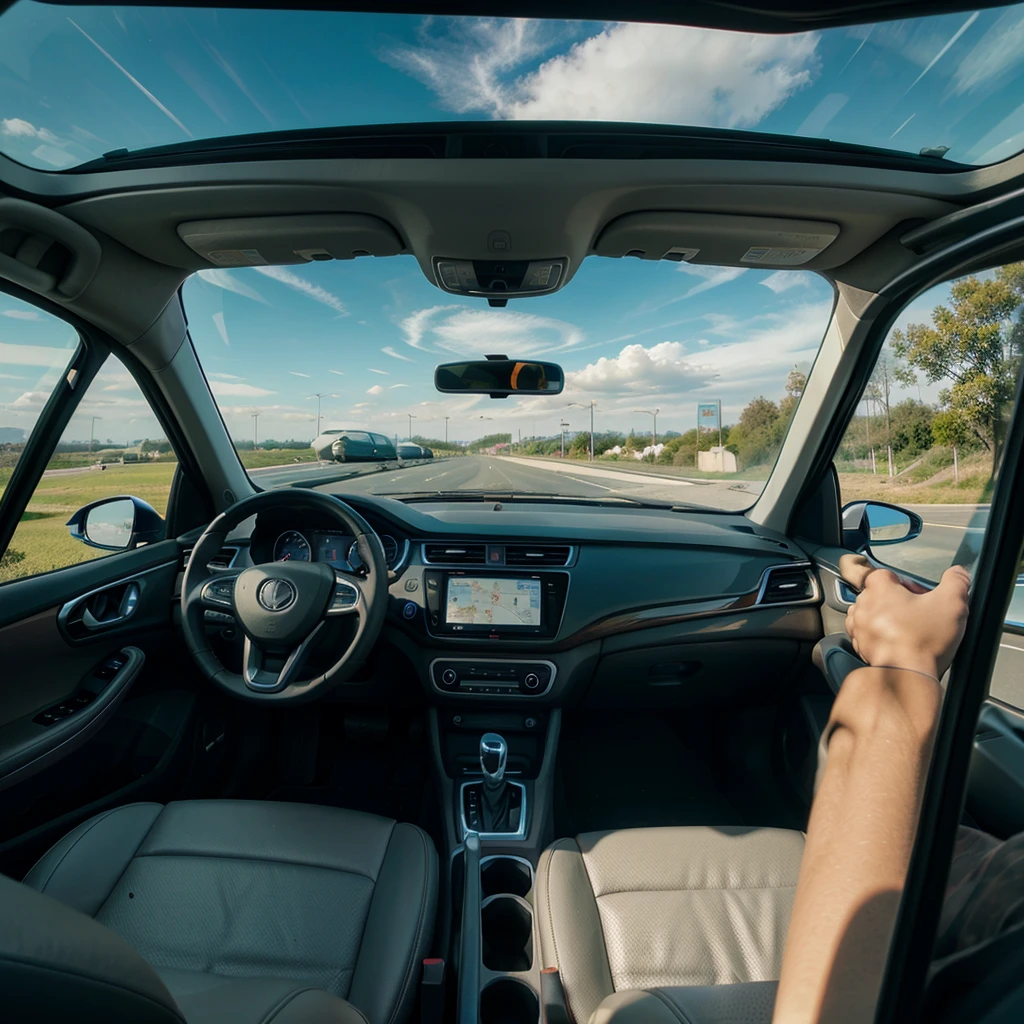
x=493, y=605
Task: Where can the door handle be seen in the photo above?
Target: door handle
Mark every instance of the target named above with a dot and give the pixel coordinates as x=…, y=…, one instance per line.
x=107, y=608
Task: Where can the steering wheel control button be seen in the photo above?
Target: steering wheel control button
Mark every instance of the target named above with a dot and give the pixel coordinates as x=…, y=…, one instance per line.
x=220, y=592
x=276, y=595
x=409, y=610
x=345, y=596
x=449, y=677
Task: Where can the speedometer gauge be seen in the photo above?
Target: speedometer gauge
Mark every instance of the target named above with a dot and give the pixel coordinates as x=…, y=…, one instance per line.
x=291, y=546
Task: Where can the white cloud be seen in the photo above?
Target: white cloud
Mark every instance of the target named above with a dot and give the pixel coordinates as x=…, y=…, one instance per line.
x=375, y=390
x=218, y=322
x=338, y=372
x=22, y=314
x=10, y=376
x=50, y=149
x=18, y=127
x=640, y=369
x=296, y=373
x=31, y=400
x=389, y=351
x=391, y=387
x=711, y=277
x=470, y=332
x=383, y=373
x=224, y=376
x=229, y=389
x=782, y=280
x=300, y=284
x=999, y=50
x=33, y=355
x=626, y=72
x=226, y=280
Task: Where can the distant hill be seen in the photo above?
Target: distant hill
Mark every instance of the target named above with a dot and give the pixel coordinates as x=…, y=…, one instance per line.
x=11, y=435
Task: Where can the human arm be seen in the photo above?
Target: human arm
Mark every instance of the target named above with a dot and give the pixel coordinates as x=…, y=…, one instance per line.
x=864, y=817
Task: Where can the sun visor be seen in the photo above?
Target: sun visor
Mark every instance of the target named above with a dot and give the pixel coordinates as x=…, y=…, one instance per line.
x=256, y=241
x=717, y=239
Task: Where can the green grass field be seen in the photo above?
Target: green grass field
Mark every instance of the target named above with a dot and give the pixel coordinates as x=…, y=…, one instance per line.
x=42, y=536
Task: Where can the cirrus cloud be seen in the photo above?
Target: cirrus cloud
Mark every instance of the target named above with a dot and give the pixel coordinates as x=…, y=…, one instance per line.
x=464, y=331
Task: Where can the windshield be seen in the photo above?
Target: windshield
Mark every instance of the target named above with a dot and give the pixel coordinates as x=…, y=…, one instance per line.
x=79, y=82
x=322, y=371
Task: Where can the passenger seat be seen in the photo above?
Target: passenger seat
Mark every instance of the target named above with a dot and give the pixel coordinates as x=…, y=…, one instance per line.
x=666, y=924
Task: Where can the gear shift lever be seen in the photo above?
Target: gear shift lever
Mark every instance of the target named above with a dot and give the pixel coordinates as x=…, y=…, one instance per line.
x=493, y=755
x=496, y=805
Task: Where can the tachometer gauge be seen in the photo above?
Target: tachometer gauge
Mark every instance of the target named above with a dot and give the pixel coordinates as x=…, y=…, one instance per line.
x=390, y=546
x=291, y=546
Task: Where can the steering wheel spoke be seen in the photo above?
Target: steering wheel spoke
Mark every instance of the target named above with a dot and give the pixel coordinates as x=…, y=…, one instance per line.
x=346, y=596
x=262, y=679
x=218, y=593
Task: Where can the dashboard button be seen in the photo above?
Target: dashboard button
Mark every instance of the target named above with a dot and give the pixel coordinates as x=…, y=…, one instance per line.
x=532, y=681
x=412, y=584
x=449, y=677
x=410, y=610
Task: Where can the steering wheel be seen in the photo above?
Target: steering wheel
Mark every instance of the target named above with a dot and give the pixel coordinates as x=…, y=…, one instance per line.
x=284, y=608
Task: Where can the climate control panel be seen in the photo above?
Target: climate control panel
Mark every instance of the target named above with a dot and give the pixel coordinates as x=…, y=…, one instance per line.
x=492, y=677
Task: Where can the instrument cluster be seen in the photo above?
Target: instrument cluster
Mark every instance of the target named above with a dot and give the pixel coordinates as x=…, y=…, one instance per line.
x=337, y=549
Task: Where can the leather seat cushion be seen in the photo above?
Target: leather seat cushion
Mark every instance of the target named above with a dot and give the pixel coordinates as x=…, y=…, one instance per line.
x=664, y=907
x=332, y=899
x=749, y=1003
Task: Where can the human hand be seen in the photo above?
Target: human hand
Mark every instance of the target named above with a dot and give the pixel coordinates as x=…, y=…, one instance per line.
x=901, y=624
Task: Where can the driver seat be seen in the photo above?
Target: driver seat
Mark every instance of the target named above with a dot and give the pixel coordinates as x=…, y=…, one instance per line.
x=221, y=910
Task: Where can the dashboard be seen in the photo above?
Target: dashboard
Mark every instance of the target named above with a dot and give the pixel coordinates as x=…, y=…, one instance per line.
x=545, y=603
x=335, y=548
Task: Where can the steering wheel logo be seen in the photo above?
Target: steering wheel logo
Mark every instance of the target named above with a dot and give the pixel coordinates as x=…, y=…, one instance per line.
x=276, y=595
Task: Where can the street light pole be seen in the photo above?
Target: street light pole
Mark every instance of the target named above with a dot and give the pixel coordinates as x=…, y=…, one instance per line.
x=318, y=396
x=446, y=419
x=580, y=405
x=563, y=425
x=411, y=418
x=654, y=413
x=92, y=431
x=255, y=429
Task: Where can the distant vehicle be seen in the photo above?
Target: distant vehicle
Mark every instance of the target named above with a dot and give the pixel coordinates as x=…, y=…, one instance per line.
x=354, y=446
x=130, y=457
x=407, y=450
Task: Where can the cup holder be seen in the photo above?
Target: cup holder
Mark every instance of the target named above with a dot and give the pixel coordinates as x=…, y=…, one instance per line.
x=507, y=1001
x=507, y=932
x=505, y=875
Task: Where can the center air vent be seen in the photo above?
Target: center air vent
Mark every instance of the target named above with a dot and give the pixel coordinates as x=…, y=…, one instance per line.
x=455, y=554
x=537, y=554
x=223, y=560
x=785, y=585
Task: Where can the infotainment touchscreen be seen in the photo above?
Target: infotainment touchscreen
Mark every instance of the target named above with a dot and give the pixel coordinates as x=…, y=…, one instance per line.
x=493, y=601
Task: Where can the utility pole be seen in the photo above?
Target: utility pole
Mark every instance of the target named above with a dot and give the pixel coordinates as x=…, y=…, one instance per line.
x=92, y=431
x=654, y=413
x=580, y=405
x=318, y=396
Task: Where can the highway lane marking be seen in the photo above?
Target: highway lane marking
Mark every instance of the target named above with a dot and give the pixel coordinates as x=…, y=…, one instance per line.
x=951, y=526
x=1013, y=647
x=607, y=474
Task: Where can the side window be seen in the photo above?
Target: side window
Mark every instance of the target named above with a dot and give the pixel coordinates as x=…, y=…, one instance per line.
x=928, y=433
x=112, y=446
x=381, y=440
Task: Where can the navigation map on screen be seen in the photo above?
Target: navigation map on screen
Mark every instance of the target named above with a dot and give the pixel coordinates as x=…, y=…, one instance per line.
x=475, y=601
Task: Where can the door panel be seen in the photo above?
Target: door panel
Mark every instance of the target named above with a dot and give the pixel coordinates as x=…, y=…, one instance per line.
x=53, y=699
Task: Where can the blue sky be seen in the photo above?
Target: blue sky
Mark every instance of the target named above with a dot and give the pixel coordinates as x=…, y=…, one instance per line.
x=75, y=83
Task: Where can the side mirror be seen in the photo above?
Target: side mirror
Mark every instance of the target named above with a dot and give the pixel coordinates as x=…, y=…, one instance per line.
x=499, y=377
x=871, y=524
x=117, y=524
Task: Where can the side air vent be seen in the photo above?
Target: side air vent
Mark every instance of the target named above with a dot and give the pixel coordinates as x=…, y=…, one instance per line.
x=784, y=585
x=223, y=560
x=455, y=554
x=537, y=554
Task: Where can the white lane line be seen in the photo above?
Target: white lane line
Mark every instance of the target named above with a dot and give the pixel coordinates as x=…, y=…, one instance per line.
x=1013, y=647
x=962, y=529
x=606, y=474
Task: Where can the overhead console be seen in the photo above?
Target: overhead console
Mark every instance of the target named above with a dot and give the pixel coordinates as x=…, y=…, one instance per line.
x=716, y=239
x=258, y=241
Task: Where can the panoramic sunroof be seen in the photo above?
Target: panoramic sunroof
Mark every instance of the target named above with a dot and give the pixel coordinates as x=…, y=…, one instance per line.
x=79, y=82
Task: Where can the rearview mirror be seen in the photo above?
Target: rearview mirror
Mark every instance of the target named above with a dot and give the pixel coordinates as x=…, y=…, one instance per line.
x=499, y=378
x=870, y=524
x=117, y=524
